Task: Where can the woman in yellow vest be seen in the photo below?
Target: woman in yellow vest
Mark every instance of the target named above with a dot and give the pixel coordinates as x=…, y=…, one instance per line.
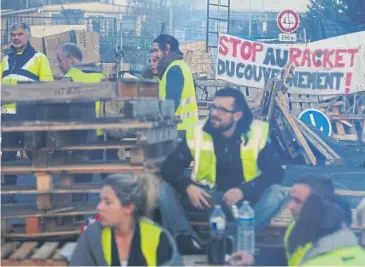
x=122, y=236
x=322, y=229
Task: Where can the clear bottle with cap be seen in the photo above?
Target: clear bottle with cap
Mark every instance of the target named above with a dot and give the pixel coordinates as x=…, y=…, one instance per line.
x=246, y=229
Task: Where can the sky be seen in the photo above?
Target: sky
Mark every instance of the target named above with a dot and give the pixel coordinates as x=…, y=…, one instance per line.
x=256, y=5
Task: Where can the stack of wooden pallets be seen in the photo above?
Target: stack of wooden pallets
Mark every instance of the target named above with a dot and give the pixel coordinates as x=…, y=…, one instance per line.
x=144, y=130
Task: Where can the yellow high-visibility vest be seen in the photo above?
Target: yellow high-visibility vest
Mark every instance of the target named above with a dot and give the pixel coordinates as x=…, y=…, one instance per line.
x=188, y=108
x=201, y=147
x=28, y=65
x=150, y=239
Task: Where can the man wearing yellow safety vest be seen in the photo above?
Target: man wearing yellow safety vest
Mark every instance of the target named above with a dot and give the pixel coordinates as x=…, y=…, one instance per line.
x=176, y=80
x=233, y=161
x=23, y=64
x=70, y=57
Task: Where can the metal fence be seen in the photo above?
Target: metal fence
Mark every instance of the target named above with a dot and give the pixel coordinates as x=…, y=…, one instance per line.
x=134, y=38
x=107, y=28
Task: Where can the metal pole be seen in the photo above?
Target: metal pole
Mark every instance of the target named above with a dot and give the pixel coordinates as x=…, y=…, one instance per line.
x=171, y=18
x=249, y=20
x=218, y=16
x=207, y=36
x=229, y=16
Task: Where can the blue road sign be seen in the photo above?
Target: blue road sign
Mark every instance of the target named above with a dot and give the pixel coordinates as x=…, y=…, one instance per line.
x=318, y=119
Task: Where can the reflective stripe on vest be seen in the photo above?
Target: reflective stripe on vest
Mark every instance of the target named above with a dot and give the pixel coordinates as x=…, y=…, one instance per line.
x=150, y=239
x=23, y=68
x=188, y=108
x=201, y=147
x=297, y=256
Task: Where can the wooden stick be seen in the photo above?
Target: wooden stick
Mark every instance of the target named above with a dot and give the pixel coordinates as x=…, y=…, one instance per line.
x=29, y=126
x=73, y=168
x=295, y=128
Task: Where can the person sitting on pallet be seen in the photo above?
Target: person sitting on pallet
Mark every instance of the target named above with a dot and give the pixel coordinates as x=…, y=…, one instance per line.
x=321, y=233
x=233, y=161
x=69, y=57
x=23, y=64
x=299, y=194
x=123, y=236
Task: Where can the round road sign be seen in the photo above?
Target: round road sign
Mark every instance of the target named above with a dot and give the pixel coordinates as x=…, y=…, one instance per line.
x=288, y=21
x=318, y=119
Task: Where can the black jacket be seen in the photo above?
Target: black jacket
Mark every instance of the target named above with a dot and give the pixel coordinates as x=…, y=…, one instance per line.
x=229, y=167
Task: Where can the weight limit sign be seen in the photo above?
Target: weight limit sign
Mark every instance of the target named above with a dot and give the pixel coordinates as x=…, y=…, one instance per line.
x=288, y=21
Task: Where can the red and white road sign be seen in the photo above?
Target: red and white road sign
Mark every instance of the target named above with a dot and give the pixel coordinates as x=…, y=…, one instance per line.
x=288, y=21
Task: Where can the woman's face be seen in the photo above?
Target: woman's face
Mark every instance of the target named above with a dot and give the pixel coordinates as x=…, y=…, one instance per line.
x=111, y=210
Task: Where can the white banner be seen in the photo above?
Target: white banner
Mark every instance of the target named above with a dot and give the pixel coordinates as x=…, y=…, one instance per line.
x=320, y=69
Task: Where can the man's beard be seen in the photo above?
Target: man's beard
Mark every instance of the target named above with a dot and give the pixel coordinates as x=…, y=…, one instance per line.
x=221, y=129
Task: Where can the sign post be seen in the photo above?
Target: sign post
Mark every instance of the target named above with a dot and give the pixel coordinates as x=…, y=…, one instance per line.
x=318, y=119
x=288, y=22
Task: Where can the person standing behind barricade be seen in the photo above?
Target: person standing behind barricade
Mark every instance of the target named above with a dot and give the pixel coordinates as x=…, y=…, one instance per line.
x=176, y=80
x=151, y=72
x=69, y=56
x=23, y=64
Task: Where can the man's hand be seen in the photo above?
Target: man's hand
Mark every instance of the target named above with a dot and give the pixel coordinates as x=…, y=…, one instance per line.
x=241, y=258
x=198, y=197
x=232, y=196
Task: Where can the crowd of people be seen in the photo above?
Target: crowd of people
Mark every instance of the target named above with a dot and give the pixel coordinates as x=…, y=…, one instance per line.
x=234, y=160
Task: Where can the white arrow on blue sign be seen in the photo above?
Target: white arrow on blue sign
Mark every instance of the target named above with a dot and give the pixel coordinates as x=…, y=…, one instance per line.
x=318, y=119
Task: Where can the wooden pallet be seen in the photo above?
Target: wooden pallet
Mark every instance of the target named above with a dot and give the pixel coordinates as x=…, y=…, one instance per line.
x=32, y=254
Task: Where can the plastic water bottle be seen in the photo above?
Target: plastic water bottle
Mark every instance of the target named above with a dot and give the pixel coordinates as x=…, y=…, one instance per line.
x=217, y=222
x=216, y=247
x=246, y=229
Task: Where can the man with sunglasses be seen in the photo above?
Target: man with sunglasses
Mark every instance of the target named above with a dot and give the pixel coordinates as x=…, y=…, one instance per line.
x=233, y=161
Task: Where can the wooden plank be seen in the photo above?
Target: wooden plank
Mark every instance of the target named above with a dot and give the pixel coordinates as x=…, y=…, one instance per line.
x=23, y=251
x=8, y=249
x=46, y=234
x=45, y=251
x=142, y=109
x=44, y=202
x=58, y=189
x=293, y=125
x=91, y=146
x=332, y=153
x=341, y=192
x=65, y=181
x=44, y=182
x=73, y=168
x=21, y=212
x=340, y=128
x=28, y=126
x=57, y=92
x=345, y=137
x=334, y=116
x=346, y=123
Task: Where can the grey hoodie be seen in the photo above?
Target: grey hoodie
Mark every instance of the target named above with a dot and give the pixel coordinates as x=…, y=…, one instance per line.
x=89, y=252
x=338, y=240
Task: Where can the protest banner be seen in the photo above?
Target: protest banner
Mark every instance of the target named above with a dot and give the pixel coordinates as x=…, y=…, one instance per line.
x=319, y=70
